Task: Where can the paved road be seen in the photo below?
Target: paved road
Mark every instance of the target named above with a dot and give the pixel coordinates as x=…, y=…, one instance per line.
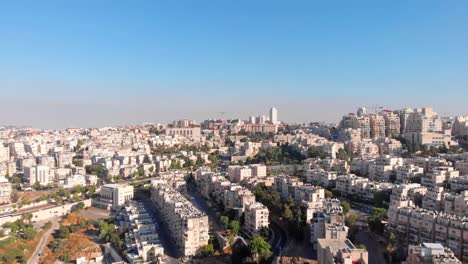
x=281, y=239
x=374, y=248
x=201, y=204
x=43, y=241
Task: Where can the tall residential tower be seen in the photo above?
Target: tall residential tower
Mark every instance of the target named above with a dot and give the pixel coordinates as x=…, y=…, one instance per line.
x=273, y=115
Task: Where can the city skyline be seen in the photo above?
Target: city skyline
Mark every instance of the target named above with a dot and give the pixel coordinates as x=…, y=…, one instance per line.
x=102, y=63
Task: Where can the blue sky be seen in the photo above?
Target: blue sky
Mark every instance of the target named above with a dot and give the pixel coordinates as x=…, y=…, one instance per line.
x=97, y=63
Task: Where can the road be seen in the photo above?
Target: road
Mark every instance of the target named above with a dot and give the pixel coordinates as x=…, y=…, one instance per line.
x=375, y=249
x=280, y=238
x=366, y=238
x=43, y=241
x=201, y=204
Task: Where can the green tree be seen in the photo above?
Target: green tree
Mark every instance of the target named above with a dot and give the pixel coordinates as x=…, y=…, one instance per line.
x=224, y=221
x=29, y=233
x=64, y=232
x=56, y=245
x=287, y=213
x=316, y=152
x=235, y=227
x=382, y=199
x=259, y=247
x=346, y=207
x=79, y=206
x=213, y=160
x=65, y=258
x=207, y=250
x=343, y=155
x=375, y=220
x=199, y=161
x=96, y=169
x=264, y=232
x=328, y=194
x=26, y=218
x=78, y=163
x=351, y=219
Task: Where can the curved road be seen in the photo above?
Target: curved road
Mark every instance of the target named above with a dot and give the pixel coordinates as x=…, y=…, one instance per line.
x=43, y=241
x=281, y=239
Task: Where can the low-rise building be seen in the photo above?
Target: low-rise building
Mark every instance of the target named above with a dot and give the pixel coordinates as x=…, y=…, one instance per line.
x=74, y=180
x=430, y=253
x=114, y=196
x=331, y=251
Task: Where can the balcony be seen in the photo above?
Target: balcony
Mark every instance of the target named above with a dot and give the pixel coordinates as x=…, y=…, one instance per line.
x=413, y=238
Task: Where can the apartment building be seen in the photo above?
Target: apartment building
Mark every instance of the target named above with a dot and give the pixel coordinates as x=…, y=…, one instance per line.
x=38, y=174
x=308, y=193
x=350, y=184
x=256, y=216
x=456, y=204
x=418, y=225
x=258, y=170
x=260, y=128
x=239, y=173
x=421, y=120
x=328, y=222
x=364, y=149
x=74, y=180
x=460, y=126
x=349, y=134
x=237, y=197
x=377, y=126
x=458, y=184
x=188, y=226
x=189, y=132
x=462, y=167
x=336, y=165
x=322, y=177
x=389, y=146
x=434, y=199
x=404, y=173
x=142, y=237
x=91, y=180
x=4, y=153
x=114, y=196
x=5, y=191
x=284, y=186
x=430, y=253
x=404, y=195
x=392, y=123
x=360, y=122
x=331, y=251
x=424, y=127
x=438, y=175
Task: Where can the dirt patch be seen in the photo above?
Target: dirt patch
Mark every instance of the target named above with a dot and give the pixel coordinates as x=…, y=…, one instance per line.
x=31, y=196
x=73, y=219
x=77, y=245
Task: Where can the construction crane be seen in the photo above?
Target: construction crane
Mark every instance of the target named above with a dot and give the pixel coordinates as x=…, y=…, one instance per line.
x=222, y=113
x=375, y=108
